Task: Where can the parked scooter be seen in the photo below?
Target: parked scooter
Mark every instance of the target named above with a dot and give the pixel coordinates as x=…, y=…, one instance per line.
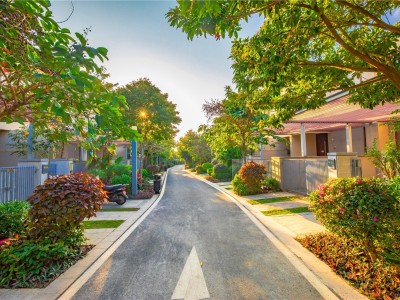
x=116, y=193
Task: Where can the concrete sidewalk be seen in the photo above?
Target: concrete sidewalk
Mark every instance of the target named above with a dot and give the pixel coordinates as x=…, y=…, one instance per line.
x=297, y=224
x=104, y=240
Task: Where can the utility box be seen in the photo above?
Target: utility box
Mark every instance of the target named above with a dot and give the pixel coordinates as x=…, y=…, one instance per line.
x=340, y=164
x=61, y=167
x=42, y=168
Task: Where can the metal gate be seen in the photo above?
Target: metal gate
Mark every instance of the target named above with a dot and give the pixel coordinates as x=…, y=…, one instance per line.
x=16, y=183
x=303, y=175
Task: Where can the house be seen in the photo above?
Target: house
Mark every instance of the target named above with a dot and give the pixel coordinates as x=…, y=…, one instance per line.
x=71, y=151
x=328, y=142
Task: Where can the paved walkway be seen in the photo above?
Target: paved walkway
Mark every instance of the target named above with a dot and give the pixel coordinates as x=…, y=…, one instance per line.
x=296, y=224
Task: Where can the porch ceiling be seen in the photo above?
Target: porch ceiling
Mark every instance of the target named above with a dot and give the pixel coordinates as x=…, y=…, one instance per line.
x=336, y=115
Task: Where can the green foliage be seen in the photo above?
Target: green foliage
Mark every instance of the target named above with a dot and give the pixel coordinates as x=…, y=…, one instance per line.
x=210, y=171
x=193, y=148
x=145, y=173
x=200, y=169
x=270, y=185
x=207, y=166
x=236, y=129
x=25, y=263
x=123, y=179
x=252, y=175
x=303, y=49
x=361, y=209
x=118, y=170
x=98, y=173
x=388, y=160
x=239, y=186
x=346, y=257
x=60, y=205
x=51, y=77
x=221, y=172
x=12, y=218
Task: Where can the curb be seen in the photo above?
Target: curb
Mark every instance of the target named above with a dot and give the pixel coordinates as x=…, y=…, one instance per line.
x=321, y=277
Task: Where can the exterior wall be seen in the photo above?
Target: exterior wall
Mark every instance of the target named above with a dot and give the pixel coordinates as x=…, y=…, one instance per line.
x=121, y=151
x=295, y=145
x=337, y=141
x=383, y=135
x=71, y=151
x=6, y=159
x=280, y=149
x=371, y=133
x=358, y=140
x=311, y=143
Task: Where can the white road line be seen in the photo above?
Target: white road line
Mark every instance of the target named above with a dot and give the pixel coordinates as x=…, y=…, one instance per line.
x=191, y=284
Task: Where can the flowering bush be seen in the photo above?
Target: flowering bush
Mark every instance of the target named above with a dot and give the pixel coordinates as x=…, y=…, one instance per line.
x=251, y=174
x=361, y=209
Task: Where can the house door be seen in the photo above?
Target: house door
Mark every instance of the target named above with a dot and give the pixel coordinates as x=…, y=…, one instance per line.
x=322, y=144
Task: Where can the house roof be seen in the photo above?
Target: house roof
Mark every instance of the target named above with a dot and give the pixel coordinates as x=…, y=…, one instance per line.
x=336, y=114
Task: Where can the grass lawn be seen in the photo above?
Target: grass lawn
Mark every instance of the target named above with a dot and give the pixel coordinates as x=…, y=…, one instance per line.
x=228, y=188
x=120, y=209
x=295, y=210
x=102, y=224
x=272, y=200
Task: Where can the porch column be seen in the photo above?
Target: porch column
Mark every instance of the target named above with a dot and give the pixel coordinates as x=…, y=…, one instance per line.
x=303, y=140
x=349, y=139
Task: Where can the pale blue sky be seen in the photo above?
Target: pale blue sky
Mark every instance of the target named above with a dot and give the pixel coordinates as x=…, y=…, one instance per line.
x=142, y=44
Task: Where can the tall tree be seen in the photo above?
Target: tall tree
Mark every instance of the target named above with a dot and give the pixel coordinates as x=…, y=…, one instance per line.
x=193, y=148
x=50, y=78
x=304, y=49
x=150, y=110
x=234, y=124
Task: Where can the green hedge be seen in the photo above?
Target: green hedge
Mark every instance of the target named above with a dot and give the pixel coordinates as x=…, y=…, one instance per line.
x=12, y=218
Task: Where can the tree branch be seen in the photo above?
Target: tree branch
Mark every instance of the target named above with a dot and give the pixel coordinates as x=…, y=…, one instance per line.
x=337, y=66
x=378, y=21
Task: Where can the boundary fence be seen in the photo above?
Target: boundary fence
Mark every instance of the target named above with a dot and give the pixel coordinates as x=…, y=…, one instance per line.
x=16, y=183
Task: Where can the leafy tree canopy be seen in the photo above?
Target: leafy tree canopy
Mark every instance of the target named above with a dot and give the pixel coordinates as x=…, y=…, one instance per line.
x=193, y=148
x=50, y=77
x=304, y=49
x=234, y=124
x=150, y=110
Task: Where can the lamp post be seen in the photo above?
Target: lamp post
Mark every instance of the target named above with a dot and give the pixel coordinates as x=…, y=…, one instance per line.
x=134, y=167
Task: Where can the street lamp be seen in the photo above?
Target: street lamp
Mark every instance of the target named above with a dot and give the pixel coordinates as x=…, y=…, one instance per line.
x=134, y=166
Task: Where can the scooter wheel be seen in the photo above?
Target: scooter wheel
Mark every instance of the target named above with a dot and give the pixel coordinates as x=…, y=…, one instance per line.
x=121, y=199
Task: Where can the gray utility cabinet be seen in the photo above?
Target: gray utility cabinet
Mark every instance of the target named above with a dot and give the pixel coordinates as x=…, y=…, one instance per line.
x=340, y=164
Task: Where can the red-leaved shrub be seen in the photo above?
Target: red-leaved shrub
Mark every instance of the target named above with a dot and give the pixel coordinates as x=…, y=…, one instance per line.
x=251, y=174
x=60, y=205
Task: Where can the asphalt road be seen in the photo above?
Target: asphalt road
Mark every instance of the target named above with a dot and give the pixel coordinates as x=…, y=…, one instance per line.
x=238, y=261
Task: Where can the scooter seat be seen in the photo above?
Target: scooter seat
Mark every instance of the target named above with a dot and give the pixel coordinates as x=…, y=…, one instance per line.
x=113, y=187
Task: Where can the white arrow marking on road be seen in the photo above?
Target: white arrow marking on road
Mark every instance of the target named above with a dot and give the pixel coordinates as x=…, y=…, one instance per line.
x=191, y=284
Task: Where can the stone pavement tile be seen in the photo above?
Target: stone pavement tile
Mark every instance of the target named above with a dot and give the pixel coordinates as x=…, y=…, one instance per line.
x=269, y=195
x=280, y=205
x=118, y=215
x=298, y=224
x=19, y=294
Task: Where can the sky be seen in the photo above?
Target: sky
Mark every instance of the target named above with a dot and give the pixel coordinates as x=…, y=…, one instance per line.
x=141, y=43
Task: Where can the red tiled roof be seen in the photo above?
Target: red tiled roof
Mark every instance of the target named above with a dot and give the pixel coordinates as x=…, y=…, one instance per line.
x=336, y=114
